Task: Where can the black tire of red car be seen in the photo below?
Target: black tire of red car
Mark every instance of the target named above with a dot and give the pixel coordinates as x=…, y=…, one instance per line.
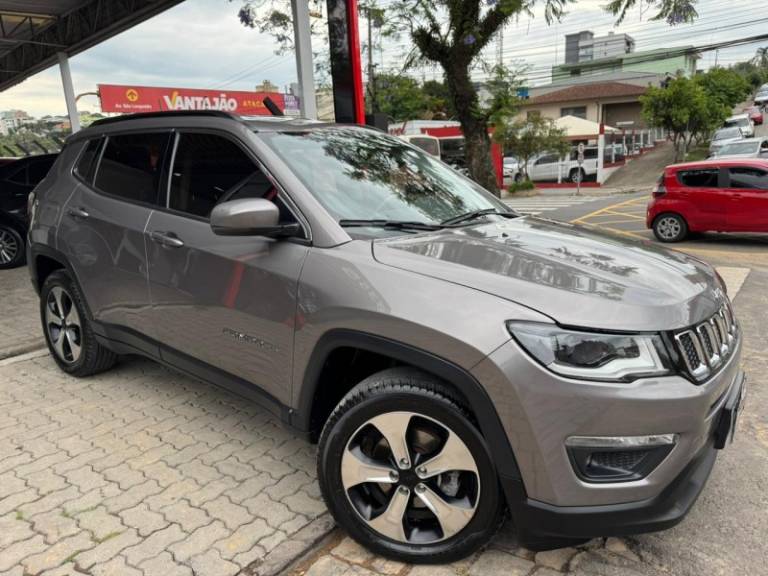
x=402, y=391
x=576, y=175
x=67, y=329
x=670, y=227
x=12, y=247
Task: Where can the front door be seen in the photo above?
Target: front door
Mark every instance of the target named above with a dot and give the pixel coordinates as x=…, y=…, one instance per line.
x=704, y=199
x=747, y=191
x=102, y=227
x=229, y=302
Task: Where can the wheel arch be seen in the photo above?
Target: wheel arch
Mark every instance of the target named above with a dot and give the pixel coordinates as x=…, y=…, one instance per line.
x=316, y=391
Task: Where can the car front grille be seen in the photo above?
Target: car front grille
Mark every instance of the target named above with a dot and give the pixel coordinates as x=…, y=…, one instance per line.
x=705, y=347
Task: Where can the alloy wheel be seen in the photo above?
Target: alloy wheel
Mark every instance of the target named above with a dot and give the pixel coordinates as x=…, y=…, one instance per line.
x=62, y=321
x=410, y=478
x=9, y=247
x=669, y=227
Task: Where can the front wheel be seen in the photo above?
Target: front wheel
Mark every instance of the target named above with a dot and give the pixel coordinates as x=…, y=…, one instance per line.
x=577, y=175
x=406, y=473
x=12, y=253
x=670, y=228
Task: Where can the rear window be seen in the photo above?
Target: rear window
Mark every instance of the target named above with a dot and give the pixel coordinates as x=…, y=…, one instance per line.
x=703, y=178
x=86, y=164
x=746, y=177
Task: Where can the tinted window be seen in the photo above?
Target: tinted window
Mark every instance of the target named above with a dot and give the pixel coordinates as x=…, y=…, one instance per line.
x=548, y=159
x=208, y=169
x=753, y=178
x=726, y=133
x=19, y=176
x=39, y=169
x=86, y=164
x=578, y=111
x=131, y=166
x=706, y=178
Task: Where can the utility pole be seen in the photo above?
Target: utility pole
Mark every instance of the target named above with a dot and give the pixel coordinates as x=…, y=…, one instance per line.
x=371, y=82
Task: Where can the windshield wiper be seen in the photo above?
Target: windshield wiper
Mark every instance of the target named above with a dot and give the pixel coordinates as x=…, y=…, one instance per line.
x=391, y=224
x=475, y=214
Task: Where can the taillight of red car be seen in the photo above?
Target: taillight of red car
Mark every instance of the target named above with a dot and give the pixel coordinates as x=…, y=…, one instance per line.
x=660, y=189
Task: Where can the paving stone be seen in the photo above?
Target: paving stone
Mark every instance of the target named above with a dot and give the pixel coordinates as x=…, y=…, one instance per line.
x=201, y=539
x=288, y=485
x=498, y=562
x=13, y=529
x=556, y=559
x=275, y=513
x=164, y=474
x=255, y=554
x=351, y=551
x=172, y=494
x=154, y=544
x=62, y=551
x=302, y=503
x=11, y=555
x=331, y=566
x=233, y=515
x=116, y=567
x=212, y=563
x=49, y=501
x=234, y=468
x=185, y=515
x=144, y=520
x=132, y=496
x=10, y=484
x=14, y=501
x=387, y=566
x=244, y=538
x=85, y=479
x=107, y=550
x=68, y=569
x=211, y=491
x=54, y=525
x=100, y=523
x=199, y=472
x=272, y=541
x=164, y=565
x=250, y=487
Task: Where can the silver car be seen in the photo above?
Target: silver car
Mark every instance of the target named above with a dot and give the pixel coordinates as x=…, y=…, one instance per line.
x=453, y=359
x=747, y=148
x=723, y=137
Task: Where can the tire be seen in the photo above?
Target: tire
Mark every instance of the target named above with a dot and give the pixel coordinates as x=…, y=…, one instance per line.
x=576, y=175
x=74, y=347
x=418, y=409
x=670, y=227
x=12, y=247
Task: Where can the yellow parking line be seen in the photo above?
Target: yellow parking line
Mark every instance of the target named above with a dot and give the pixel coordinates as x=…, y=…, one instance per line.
x=627, y=214
x=614, y=230
x=604, y=222
x=607, y=208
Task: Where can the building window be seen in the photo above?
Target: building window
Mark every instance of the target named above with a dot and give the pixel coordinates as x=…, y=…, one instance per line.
x=578, y=111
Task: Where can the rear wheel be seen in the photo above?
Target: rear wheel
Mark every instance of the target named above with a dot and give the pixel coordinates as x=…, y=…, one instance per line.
x=670, y=227
x=67, y=329
x=406, y=473
x=12, y=253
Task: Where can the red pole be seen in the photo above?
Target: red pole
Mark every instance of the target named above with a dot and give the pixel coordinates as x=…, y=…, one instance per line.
x=356, y=61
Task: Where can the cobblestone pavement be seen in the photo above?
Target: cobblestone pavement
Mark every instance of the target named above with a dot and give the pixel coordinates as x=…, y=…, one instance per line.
x=143, y=471
x=20, y=321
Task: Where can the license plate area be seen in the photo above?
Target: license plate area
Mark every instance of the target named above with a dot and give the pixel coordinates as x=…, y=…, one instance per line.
x=729, y=415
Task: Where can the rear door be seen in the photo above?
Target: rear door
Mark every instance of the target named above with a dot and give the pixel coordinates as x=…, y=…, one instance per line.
x=545, y=167
x=747, y=191
x=102, y=228
x=703, y=201
x=226, y=301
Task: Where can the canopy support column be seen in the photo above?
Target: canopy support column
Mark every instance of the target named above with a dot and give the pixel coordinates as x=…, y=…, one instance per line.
x=69, y=91
x=305, y=73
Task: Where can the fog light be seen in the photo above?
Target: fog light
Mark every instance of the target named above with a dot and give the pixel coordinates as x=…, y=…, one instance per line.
x=617, y=458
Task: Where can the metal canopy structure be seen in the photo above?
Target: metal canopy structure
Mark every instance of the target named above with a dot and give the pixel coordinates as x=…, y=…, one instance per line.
x=34, y=32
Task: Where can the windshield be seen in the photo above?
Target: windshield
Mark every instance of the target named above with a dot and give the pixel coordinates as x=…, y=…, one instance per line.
x=728, y=133
x=737, y=122
x=740, y=148
x=360, y=174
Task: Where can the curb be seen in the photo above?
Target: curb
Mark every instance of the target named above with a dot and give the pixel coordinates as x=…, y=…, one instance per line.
x=10, y=355
x=293, y=549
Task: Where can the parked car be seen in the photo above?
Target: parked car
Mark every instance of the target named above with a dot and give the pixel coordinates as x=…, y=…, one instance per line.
x=548, y=167
x=453, y=359
x=510, y=167
x=743, y=122
x=717, y=195
x=761, y=99
x=17, y=179
x=755, y=114
x=723, y=137
x=747, y=148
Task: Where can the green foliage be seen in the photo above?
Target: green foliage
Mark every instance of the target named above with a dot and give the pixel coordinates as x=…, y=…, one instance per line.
x=439, y=101
x=687, y=109
x=503, y=87
x=524, y=139
x=400, y=97
x=522, y=186
x=673, y=11
x=724, y=85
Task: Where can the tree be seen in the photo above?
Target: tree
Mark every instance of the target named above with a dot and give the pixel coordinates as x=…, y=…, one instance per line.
x=400, y=97
x=724, y=85
x=453, y=35
x=686, y=110
x=761, y=58
x=438, y=99
x=524, y=139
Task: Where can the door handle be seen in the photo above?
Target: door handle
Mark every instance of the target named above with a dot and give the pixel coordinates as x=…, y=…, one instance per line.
x=78, y=213
x=168, y=239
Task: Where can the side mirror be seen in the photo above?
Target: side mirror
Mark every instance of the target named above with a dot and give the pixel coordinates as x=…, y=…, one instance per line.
x=250, y=217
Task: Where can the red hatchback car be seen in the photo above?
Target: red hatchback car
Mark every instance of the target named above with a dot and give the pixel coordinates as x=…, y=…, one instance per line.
x=719, y=195
x=755, y=114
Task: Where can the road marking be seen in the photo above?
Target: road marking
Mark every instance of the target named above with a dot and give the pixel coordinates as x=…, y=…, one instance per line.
x=734, y=278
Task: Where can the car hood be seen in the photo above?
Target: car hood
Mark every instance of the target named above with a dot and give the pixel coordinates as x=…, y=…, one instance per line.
x=574, y=275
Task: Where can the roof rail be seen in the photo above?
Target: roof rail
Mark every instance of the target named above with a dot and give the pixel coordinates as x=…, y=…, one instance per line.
x=166, y=114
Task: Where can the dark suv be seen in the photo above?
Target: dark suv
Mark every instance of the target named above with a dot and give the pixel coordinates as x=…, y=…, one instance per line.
x=454, y=359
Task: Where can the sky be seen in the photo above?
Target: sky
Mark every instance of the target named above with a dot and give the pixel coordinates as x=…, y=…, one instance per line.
x=202, y=44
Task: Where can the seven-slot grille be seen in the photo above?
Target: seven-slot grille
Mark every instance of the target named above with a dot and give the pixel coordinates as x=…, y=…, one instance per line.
x=706, y=346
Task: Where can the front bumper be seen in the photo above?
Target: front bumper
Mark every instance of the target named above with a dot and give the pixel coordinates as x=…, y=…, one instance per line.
x=540, y=410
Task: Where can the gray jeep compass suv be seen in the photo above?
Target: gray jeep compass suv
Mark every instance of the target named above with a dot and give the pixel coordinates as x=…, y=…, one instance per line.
x=454, y=360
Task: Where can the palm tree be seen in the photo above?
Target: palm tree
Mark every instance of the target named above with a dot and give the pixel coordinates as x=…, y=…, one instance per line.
x=761, y=57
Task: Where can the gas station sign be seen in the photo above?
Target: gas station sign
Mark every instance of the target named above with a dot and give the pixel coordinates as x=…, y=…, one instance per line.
x=125, y=99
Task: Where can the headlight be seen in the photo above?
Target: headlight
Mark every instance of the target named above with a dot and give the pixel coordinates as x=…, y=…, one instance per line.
x=592, y=355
